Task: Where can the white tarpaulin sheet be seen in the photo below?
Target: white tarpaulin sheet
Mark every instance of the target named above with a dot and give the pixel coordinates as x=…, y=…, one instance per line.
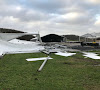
x=91, y=55
x=18, y=46
x=9, y=36
x=17, y=41
x=66, y=54
x=7, y=47
x=36, y=59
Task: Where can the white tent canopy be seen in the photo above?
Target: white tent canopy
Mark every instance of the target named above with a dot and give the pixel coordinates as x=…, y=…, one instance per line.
x=7, y=47
x=91, y=35
x=9, y=36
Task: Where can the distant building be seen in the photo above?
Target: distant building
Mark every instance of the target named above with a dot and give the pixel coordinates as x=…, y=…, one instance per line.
x=5, y=30
x=98, y=40
x=52, y=38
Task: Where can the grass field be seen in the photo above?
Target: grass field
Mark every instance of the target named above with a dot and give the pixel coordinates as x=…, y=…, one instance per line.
x=60, y=73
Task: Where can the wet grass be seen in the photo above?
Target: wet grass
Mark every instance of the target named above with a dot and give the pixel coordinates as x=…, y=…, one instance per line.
x=60, y=73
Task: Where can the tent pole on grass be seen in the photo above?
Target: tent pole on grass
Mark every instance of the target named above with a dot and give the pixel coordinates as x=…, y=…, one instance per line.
x=41, y=67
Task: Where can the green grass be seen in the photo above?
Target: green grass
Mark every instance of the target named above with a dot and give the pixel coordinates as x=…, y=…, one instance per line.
x=60, y=73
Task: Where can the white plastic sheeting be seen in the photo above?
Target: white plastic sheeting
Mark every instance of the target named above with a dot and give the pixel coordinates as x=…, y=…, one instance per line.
x=17, y=41
x=36, y=59
x=91, y=55
x=10, y=48
x=9, y=36
x=66, y=54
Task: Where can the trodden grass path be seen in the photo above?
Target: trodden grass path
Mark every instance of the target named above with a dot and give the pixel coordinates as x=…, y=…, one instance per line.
x=60, y=73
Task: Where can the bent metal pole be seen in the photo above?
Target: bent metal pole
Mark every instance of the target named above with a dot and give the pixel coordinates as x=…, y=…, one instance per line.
x=43, y=64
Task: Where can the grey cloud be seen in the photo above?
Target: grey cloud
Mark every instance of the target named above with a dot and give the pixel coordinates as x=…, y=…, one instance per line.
x=49, y=14
x=24, y=14
x=85, y=19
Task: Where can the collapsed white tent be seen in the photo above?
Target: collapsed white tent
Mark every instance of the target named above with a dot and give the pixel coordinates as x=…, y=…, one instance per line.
x=10, y=48
x=17, y=41
x=10, y=36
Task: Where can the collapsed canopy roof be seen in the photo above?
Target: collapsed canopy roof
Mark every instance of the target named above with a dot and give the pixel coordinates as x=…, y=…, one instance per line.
x=10, y=36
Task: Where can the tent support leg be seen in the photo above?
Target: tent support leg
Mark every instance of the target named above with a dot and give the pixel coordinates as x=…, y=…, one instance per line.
x=43, y=64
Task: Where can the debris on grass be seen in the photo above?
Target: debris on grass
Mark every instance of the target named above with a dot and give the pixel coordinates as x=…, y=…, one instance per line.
x=37, y=59
x=91, y=55
x=66, y=54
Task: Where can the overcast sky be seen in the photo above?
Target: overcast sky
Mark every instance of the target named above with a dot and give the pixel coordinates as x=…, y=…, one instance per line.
x=51, y=16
